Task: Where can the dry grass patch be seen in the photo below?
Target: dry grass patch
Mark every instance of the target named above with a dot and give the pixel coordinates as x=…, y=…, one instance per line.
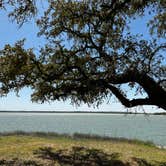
x=24, y=146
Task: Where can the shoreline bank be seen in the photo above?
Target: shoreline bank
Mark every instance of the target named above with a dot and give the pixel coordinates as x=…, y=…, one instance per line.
x=22, y=148
x=76, y=136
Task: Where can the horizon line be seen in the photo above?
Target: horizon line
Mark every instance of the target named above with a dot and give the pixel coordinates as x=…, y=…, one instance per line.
x=100, y=112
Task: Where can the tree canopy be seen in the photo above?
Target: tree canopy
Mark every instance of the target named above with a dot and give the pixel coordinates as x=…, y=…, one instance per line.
x=90, y=52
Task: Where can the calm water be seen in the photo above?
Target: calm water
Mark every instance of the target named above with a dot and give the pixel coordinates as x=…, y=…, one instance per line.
x=148, y=128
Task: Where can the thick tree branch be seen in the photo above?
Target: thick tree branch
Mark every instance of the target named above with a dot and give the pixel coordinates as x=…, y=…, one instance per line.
x=126, y=102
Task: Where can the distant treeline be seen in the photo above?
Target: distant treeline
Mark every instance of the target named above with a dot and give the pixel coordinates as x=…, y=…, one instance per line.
x=159, y=113
x=84, y=112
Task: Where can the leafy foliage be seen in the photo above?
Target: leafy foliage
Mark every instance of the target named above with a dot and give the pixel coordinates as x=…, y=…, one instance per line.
x=22, y=10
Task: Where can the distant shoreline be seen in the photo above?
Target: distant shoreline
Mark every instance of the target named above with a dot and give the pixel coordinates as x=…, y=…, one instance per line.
x=83, y=112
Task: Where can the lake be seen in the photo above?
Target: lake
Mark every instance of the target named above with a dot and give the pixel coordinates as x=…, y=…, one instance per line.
x=142, y=127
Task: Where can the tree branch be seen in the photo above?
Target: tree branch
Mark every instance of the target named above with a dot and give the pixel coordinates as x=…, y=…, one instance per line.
x=126, y=102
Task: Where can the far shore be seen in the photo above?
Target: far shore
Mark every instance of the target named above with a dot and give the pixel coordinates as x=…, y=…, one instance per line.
x=84, y=112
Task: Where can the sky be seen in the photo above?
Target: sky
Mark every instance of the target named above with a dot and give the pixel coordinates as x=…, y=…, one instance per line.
x=10, y=33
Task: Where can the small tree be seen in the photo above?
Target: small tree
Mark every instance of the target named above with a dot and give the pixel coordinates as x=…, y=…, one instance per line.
x=90, y=53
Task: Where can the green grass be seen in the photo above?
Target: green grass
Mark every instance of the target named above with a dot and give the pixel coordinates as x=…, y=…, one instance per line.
x=23, y=145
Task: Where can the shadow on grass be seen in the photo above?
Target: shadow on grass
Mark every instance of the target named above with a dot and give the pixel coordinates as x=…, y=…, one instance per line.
x=80, y=156
x=76, y=156
x=143, y=162
x=17, y=162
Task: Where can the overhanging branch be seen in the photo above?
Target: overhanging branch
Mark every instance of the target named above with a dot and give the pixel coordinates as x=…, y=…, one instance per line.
x=126, y=102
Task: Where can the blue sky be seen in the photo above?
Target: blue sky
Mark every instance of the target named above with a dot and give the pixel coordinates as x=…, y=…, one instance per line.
x=9, y=34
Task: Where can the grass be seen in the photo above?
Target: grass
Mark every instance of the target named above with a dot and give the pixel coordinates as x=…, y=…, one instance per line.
x=22, y=145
